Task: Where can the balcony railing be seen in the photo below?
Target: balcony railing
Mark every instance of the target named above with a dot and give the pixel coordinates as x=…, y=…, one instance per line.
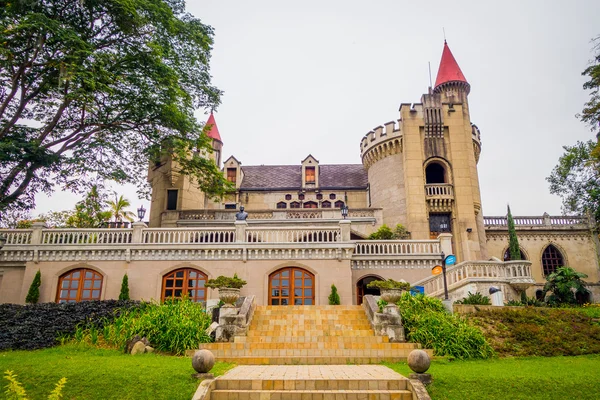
x=512, y=272
x=538, y=221
x=397, y=247
x=442, y=190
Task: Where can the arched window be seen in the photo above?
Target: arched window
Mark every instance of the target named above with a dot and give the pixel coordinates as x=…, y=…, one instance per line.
x=507, y=255
x=319, y=196
x=552, y=258
x=332, y=196
x=184, y=281
x=288, y=196
x=79, y=285
x=310, y=204
x=326, y=204
x=294, y=204
x=291, y=286
x=282, y=204
x=339, y=204
x=435, y=173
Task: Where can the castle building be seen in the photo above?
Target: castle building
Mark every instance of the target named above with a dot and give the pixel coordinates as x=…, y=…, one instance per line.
x=308, y=224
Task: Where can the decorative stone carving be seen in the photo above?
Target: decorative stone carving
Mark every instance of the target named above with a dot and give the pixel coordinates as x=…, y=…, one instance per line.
x=229, y=296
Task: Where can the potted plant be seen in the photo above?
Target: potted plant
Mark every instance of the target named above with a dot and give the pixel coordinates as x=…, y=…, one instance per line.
x=390, y=290
x=229, y=288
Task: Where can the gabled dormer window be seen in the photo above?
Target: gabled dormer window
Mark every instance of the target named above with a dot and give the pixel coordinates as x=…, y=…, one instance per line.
x=309, y=174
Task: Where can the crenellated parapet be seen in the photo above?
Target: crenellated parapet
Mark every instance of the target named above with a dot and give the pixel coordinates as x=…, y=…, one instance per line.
x=381, y=142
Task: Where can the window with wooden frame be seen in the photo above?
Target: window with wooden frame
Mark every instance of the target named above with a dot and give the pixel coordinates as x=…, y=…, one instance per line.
x=79, y=284
x=309, y=175
x=282, y=204
x=291, y=286
x=184, y=281
x=310, y=204
x=326, y=204
x=552, y=258
x=339, y=204
x=294, y=204
x=231, y=174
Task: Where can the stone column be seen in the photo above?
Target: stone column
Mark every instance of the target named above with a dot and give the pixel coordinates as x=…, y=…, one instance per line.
x=345, y=226
x=138, y=229
x=446, y=243
x=36, y=235
x=240, y=231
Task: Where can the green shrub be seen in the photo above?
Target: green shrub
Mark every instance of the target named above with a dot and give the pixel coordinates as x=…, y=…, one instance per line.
x=388, y=284
x=427, y=322
x=173, y=326
x=34, y=290
x=476, y=299
x=124, y=295
x=334, y=297
x=514, y=303
x=226, y=282
x=385, y=233
x=16, y=391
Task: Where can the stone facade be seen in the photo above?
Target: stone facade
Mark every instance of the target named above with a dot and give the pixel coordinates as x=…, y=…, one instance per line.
x=419, y=170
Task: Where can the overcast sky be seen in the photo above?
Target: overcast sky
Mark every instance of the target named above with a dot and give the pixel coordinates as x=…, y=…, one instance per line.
x=315, y=76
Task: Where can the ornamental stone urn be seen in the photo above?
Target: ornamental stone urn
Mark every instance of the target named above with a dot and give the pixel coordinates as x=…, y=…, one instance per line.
x=229, y=296
x=391, y=295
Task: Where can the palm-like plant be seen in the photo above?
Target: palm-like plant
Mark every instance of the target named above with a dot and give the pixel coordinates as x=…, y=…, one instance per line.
x=565, y=283
x=118, y=209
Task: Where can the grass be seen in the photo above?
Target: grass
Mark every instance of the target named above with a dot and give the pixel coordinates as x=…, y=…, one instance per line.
x=94, y=373
x=514, y=378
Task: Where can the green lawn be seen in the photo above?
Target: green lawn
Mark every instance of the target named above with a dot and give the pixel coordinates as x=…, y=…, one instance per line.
x=514, y=378
x=94, y=373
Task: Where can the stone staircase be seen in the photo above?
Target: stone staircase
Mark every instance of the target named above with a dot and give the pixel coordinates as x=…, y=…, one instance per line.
x=266, y=382
x=300, y=335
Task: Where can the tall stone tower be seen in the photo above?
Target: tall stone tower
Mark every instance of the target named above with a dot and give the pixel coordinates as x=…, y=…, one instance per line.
x=173, y=191
x=423, y=168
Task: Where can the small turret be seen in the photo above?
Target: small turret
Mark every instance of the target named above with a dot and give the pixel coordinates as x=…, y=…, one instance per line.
x=217, y=143
x=449, y=75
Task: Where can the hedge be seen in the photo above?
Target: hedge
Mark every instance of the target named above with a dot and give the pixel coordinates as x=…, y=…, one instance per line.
x=37, y=326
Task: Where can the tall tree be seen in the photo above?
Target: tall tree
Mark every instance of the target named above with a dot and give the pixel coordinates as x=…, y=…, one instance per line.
x=513, y=242
x=95, y=89
x=90, y=212
x=591, y=110
x=118, y=209
x=576, y=179
x=33, y=295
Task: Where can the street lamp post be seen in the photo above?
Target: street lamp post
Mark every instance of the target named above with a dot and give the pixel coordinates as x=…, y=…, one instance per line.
x=141, y=213
x=344, y=211
x=444, y=273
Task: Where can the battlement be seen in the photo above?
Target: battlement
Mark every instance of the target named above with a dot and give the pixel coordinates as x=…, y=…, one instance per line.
x=380, y=141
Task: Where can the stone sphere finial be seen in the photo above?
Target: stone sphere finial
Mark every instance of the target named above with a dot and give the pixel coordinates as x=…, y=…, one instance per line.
x=203, y=361
x=419, y=361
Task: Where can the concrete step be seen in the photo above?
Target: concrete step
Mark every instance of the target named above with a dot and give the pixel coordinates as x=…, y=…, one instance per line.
x=312, y=333
x=308, y=360
x=356, y=345
x=262, y=353
x=311, y=384
x=309, y=339
x=310, y=394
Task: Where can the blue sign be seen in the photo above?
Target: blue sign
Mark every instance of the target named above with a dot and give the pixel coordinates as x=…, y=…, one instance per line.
x=417, y=290
x=451, y=259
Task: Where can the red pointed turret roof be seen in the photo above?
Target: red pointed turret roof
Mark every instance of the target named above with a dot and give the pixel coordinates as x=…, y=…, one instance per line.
x=449, y=70
x=213, y=131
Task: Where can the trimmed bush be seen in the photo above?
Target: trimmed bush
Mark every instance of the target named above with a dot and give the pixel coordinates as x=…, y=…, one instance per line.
x=538, y=331
x=124, y=295
x=33, y=295
x=37, y=326
x=334, y=297
x=427, y=322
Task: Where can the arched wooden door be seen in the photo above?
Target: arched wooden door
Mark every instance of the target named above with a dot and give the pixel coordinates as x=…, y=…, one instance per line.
x=362, y=289
x=291, y=286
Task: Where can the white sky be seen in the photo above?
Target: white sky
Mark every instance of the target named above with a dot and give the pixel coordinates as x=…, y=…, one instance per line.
x=315, y=76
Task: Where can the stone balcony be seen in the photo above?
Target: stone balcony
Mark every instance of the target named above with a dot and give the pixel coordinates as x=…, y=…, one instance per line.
x=440, y=197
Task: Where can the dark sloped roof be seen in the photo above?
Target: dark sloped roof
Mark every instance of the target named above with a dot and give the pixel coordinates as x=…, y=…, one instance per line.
x=280, y=177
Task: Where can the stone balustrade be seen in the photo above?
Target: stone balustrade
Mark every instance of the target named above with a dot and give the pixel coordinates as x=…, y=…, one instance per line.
x=262, y=215
x=442, y=190
x=515, y=273
x=539, y=222
x=398, y=247
x=238, y=242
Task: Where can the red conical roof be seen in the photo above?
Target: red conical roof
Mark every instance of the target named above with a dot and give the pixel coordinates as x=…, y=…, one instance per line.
x=449, y=70
x=213, y=130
